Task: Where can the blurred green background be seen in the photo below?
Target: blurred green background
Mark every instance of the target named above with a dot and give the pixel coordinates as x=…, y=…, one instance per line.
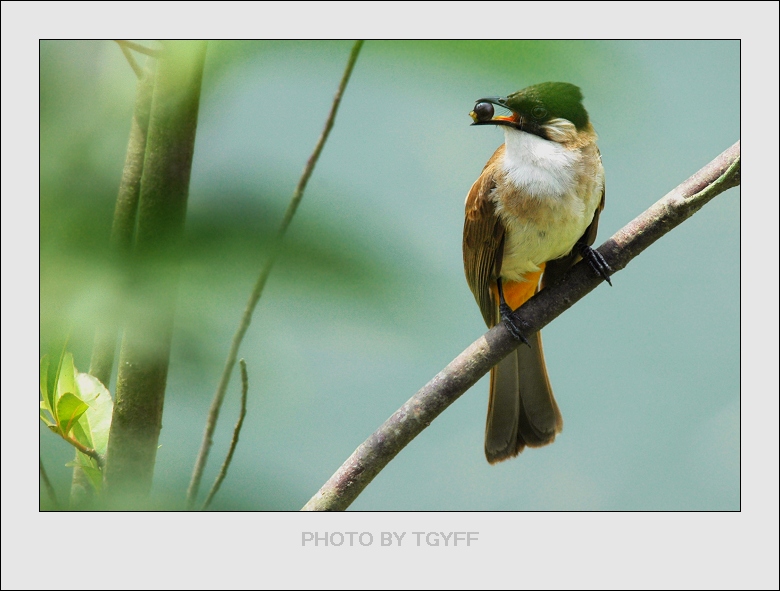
x=369, y=300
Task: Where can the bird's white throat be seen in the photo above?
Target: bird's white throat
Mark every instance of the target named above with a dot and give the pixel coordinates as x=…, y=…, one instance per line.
x=537, y=166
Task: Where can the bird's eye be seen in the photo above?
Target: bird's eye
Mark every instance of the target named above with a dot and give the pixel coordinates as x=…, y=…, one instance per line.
x=539, y=112
x=483, y=111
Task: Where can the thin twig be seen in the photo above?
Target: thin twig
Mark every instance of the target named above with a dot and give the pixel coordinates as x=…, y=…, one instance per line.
x=131, y=60
x=87, y=451
x=47, y=484
x=219, y=396
x=234, y=441
x=139, y=48
x=462, y=373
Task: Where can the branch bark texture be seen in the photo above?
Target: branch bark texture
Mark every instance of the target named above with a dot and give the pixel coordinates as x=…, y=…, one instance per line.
x=468, y=367
x=145, y=351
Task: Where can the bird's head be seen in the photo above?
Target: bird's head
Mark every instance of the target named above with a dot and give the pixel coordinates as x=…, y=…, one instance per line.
x=551, y=110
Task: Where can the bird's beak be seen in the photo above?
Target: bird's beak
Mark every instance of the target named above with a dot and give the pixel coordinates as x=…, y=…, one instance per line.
x=497, y=120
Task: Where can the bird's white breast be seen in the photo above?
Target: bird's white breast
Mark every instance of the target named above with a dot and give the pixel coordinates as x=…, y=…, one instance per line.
x=546, y=199
x=537, y=166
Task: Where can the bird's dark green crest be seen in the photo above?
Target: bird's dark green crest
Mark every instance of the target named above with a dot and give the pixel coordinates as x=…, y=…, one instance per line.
x=549, y=100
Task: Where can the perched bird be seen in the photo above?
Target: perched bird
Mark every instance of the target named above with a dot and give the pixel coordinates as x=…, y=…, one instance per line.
x=531, y=214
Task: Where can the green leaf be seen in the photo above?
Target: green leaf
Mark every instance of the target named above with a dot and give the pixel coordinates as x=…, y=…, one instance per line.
x=97, y=419
x=50, y=370
x=81, y=434
x=69, y=409
x=95, y=476
x=45, y=416
x=66, y=379
x=90, y=468
x=58, y=351
x=47, y=392
x=81, y=409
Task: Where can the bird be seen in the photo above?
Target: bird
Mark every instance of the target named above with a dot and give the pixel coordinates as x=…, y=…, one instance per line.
x=532, y=214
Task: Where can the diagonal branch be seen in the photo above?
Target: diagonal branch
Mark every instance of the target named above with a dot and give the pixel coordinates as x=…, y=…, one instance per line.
x=273, y=254
x=143, y=49
x=466, y=369
x=131, y=60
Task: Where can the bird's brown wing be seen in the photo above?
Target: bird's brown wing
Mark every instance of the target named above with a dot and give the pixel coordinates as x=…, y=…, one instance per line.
x=521, y=409
x=483, y=240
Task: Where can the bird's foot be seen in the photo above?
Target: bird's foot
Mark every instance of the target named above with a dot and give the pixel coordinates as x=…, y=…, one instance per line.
x=512, y=324
x=596, y=261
